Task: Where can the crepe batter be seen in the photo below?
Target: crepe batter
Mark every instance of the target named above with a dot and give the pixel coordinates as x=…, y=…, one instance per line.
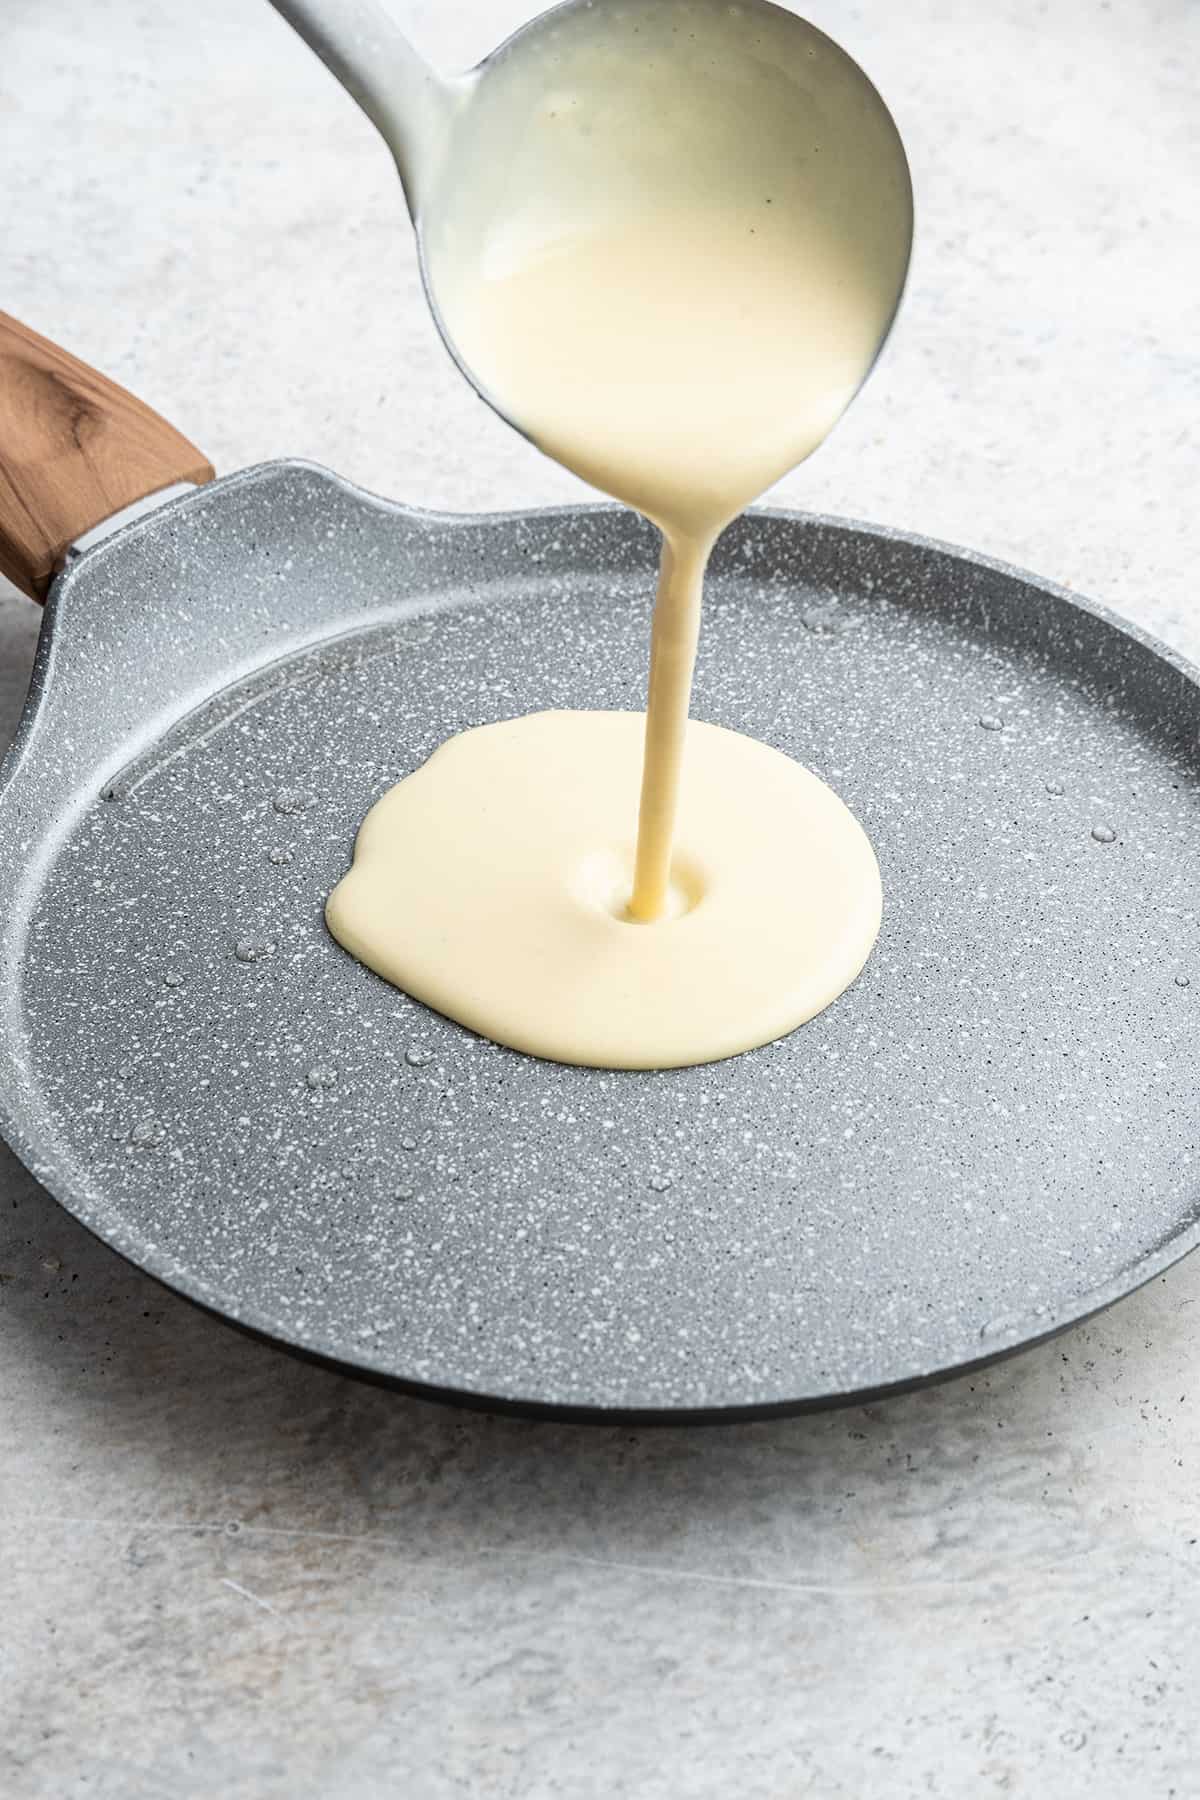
x=682, y=361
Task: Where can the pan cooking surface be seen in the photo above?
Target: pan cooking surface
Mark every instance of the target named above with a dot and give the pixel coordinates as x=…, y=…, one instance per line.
x=988, y=1136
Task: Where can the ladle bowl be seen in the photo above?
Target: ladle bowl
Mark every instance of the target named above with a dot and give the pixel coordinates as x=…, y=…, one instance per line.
x=600, y=110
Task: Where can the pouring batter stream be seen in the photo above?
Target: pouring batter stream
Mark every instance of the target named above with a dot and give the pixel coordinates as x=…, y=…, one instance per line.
x=682, y=357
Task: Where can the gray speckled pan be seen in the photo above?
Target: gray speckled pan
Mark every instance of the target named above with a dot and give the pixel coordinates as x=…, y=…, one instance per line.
x=990, y=1135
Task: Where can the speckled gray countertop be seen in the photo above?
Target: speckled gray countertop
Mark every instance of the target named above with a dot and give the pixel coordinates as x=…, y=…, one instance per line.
x=224, y=1572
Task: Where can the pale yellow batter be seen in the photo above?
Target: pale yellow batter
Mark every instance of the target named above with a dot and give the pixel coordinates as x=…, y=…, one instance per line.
x=681, y=359
x=492, y=884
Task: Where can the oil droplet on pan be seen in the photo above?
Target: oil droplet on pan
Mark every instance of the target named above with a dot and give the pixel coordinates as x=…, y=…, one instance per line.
x=252, y=950
x=292, y=800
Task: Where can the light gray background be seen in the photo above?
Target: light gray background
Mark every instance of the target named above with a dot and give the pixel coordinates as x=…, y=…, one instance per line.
x=225, y=1573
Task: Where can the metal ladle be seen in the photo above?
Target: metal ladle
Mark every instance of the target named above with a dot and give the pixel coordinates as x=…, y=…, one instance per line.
x=648, y=99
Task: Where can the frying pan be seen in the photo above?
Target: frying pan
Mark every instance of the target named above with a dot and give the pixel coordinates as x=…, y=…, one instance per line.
x=990, y=1136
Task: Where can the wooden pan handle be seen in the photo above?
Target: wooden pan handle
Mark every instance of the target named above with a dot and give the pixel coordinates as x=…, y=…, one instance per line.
x=74, y=448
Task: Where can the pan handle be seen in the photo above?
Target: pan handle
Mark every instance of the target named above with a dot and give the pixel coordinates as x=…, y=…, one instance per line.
x=74, y=449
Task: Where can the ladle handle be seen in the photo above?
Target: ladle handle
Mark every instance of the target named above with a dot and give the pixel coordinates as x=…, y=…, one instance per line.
x=406, y=101
x=74, y=449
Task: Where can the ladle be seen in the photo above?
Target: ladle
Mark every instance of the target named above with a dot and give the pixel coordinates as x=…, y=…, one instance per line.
x=598, y=107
